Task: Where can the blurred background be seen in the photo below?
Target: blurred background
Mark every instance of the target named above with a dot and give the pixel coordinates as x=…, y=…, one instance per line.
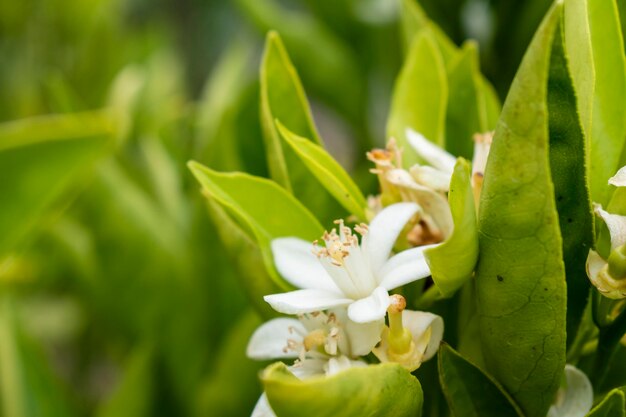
x=119, y=296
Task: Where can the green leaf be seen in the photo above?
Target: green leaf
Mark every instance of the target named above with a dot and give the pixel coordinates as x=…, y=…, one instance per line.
x=594, y=42
x=374, y=390
x=520, y=280
x=262, y=207
x=462, y=245
x=414, y=19
x=247, y=257
x=283, y=98
x=419, y=96
x=328, y=171
x=467, y=111
x=613, y=405
x=470, y=392
x=40, y=160
x=567, y=163
x=27, y=386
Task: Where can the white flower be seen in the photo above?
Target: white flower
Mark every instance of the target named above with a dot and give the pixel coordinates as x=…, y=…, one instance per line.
x=346, y=273
x=575, y=399
x=609, y=276
x=322, y=344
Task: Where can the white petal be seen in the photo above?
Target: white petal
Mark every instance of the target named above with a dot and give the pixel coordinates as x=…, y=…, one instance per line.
x=594, y=264
x=616, y=225
x=262, y=408
x=383, y=233
x=296, y=262
x=407, y=266
x=363, y=336
x=372, y=308
x=430, y=152
x=619, y=179
x=270, y=339
x=433, y=203
x=306, y=301
x=309, y=368
x=419, y=323
x=576, y=399
x=482, y=145
x=341, y=363
x=431, y=177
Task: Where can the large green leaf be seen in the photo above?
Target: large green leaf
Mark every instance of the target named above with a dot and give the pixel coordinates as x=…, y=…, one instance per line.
x=283, y=98
x=419, y=96
x=470, y=392
x=40, y=159
x=263, y=208
x=613, y=405
x=328, y=171
x=567, y=163
x=595, y=44
x=375, y=390
x=462, y=245
x=520, y=281
x=27, y=386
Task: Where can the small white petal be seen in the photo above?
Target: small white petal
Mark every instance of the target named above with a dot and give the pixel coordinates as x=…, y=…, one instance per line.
x=595, y=263
x=306, y=301
x=363, y=336
x=383, y=232
x=576, y=399
x=262, y=408
x=296, y=262
x=405, y=267
x=371, y=308
x=619, y=179
x=309, y=368
x=341, y=363
x=482, y=145
x=418, y=323
x=270, y=339
x=616, y=225
x=430, y=152
x=431, y=177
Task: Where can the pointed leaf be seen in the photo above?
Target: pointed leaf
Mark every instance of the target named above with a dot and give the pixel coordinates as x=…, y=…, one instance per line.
x=462, y=245
x=520, y=278
x=594, y=41
x=374, y=390
x=419, y=96
x=470, y=392
x=262, y=207
x=328, y=171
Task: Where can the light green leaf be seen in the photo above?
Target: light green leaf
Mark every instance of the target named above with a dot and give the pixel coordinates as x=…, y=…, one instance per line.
x=283, y=98
x=41, y=159
x=328, y=171
x=374, y=390
x=420, y=96
x=462, y=246
x=27, y=386
x=520, y=280
x=263, y=208
x=470, y=392
x=567, y=164
x=467, y=111
x=613, y=405
x=594, y=42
